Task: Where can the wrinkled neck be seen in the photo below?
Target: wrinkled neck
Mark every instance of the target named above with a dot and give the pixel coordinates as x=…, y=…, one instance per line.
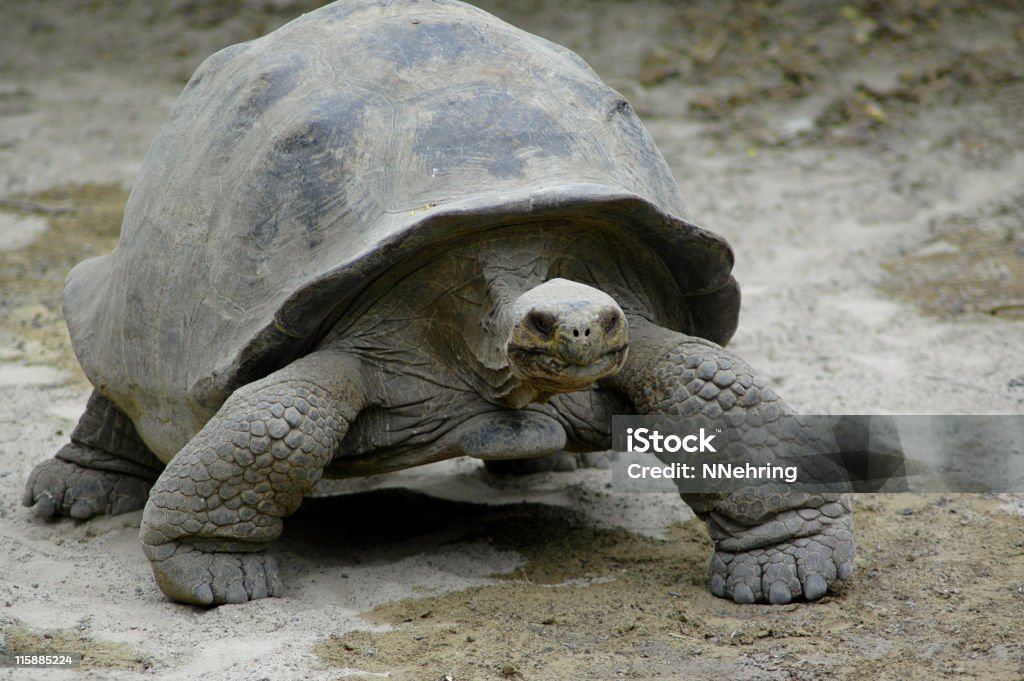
x=446, y=317
x=507, y=276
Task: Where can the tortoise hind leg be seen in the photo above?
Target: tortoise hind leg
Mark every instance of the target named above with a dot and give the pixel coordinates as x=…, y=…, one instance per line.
x=105, y=468
x=224, y=496
x=769, y=547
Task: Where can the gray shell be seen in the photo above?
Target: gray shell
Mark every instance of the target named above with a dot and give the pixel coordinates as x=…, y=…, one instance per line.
x=297, y=167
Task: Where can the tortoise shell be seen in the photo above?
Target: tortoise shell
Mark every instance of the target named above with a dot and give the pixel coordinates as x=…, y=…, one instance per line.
x=296, y=168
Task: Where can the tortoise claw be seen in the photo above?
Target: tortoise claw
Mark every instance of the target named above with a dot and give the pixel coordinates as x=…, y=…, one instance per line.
x=190, y=575
x=63, y=488
x=798, y=568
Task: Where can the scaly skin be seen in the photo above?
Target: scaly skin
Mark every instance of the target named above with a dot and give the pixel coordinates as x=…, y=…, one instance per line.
x=106, y=468
x=224, y=495
x=770, y=547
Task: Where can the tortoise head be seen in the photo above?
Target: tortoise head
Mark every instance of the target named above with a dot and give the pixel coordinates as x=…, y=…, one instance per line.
x=565, y=336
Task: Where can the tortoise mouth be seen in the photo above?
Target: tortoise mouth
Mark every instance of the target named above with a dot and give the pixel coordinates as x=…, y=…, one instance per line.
x=547, y=370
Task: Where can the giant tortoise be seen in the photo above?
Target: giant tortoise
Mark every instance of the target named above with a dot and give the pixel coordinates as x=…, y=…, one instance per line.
x=386, y=234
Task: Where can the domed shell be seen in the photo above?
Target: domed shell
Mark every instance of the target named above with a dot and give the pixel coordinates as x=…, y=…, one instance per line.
x=296, y=168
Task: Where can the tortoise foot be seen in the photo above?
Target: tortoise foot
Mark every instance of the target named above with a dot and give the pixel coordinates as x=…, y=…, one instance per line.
x=58, y=487
x=800, y=568
x=190, y=575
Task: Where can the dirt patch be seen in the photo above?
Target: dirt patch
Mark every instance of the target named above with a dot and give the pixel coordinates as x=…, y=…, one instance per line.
x=969, y=264
x=96, y=654
x=938, y=584
x=83, y=221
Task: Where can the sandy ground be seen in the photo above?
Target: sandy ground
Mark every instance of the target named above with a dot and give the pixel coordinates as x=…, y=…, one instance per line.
x=866, y=161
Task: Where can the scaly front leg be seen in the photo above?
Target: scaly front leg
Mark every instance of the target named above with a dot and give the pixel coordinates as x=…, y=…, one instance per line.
x=770, y=547
x=222, y=498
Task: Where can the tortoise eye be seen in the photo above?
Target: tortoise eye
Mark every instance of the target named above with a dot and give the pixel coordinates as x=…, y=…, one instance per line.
x=541, y=323
x=610, y=322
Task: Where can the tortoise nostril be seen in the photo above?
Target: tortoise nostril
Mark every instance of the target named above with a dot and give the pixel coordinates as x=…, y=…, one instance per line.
x=587, y=332
x=576, y=332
